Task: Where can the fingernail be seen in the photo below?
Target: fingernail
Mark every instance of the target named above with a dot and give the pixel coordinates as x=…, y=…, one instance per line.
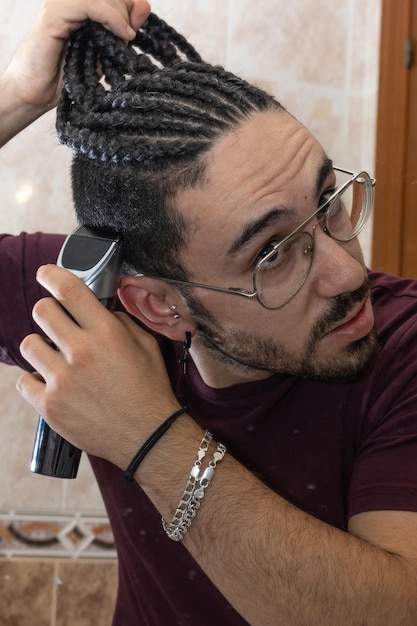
x=40, y=272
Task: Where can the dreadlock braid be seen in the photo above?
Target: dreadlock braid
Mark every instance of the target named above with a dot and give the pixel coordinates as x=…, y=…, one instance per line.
x=141, y=119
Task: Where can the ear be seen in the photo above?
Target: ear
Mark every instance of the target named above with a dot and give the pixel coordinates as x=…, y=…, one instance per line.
x=151, y=301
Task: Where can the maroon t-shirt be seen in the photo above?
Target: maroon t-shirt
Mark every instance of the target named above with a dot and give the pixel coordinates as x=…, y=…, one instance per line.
x=333, y=449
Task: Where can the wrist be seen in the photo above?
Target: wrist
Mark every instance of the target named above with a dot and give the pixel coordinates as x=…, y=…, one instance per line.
x=150, y=442
x=166, y=467
x=132, y=437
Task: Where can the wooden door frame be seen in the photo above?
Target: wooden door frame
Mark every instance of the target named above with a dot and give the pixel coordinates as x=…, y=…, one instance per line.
x=391, y=136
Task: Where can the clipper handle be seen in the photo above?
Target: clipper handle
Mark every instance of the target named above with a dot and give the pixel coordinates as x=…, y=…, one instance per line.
x=52, y=454
x=96, y=258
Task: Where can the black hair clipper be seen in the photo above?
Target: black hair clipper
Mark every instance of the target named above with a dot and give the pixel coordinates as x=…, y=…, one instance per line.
x=96, y=257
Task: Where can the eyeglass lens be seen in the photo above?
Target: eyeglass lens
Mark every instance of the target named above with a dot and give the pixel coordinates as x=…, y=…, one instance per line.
x=282, y=273
x=348, y=212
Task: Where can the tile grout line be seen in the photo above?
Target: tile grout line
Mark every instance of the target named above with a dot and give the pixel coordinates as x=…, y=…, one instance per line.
x=54, y=595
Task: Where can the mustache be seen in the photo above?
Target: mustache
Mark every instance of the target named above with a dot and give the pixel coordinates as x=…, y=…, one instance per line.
x=340, y=308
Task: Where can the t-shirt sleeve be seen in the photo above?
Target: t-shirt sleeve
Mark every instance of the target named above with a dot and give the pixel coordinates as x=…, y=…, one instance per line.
x=385, y=469
x=20, y=257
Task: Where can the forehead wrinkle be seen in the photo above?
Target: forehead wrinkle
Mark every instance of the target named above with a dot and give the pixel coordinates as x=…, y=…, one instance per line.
x=238, y=188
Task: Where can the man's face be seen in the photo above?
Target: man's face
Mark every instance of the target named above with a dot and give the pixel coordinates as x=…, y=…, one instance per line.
x=262, y=181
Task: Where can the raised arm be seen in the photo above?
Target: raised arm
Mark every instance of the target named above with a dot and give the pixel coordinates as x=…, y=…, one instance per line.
x=31, y=83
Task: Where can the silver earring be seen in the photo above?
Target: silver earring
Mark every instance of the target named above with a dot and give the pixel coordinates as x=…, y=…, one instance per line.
x=174, y=308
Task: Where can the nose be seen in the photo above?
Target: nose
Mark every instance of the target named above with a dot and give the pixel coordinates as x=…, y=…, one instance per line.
x=337, y=267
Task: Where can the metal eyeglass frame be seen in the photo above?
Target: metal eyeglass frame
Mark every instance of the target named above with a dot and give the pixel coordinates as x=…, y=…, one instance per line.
x=326, y=206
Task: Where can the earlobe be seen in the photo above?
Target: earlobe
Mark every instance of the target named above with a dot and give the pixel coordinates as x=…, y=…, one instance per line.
x=154, y=303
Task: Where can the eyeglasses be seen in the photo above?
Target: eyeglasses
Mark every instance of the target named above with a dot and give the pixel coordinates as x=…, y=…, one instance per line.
x=284, y=267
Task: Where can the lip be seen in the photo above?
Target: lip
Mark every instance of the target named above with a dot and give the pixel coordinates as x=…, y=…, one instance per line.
x=359, y=324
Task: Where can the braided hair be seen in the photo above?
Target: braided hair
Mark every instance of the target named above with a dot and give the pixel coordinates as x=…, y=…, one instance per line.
x=141, y=132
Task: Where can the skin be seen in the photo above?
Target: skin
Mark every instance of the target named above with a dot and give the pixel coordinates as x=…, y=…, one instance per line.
x=304, y=571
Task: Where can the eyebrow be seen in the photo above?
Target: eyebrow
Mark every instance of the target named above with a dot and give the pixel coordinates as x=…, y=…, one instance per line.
x=325, y=169
x=276, y=215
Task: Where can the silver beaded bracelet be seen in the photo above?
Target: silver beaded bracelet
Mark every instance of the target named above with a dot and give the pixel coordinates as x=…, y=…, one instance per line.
x=194, y=490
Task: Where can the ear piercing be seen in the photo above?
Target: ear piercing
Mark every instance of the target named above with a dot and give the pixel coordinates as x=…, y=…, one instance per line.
x=186, y=344
x=174, y=308
x=186, y=356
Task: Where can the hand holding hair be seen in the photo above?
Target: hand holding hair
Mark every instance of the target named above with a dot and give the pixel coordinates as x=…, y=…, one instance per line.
x=32, y=82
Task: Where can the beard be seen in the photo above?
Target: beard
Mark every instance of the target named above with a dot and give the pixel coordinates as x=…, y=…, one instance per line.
x=247, y=354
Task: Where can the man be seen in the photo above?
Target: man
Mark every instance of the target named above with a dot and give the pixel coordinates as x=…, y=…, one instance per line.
x=311, y=514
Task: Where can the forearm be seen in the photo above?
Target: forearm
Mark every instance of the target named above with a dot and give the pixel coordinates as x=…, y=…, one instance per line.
x=15, y=114
x=274, y=563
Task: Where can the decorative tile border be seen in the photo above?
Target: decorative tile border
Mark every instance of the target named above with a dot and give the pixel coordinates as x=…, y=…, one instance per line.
x=53, y=535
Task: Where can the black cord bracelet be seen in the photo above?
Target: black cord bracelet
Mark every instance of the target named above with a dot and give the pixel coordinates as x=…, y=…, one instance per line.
x=150, y=442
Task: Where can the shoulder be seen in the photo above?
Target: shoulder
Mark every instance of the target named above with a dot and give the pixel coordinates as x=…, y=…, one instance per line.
x=25, y=249
x=388, y=385
x=395, y=303
x=20, y=257
x=387, y=388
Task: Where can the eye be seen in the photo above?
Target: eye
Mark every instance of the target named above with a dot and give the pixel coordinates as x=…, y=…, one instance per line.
x=325, y=197
x=266, y=250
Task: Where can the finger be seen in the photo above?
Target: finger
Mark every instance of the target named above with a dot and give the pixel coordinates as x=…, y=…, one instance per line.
x=76, y=298
x=41, y=355
x=122, y=18
x=32, y=389
x=61, y=329
x=139, y=12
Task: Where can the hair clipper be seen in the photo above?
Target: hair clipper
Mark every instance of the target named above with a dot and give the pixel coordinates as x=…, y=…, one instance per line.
x=96, y=257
